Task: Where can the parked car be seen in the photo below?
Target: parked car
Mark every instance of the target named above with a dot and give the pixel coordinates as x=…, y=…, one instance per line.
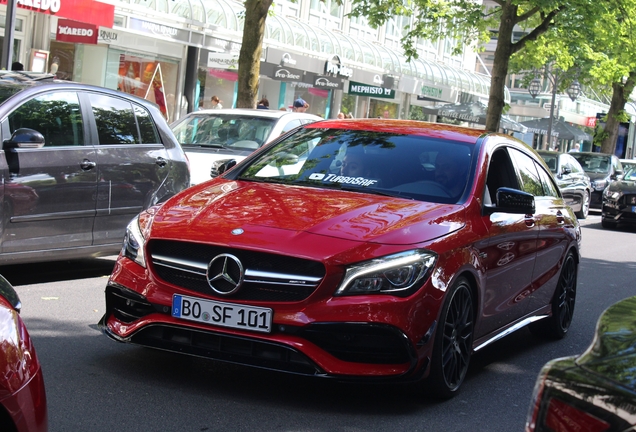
x=628, y=163
x=79, y=162
x=23, y=406
x=211, y=137
x=595, y=391
x=619, y=201
x=377, y=249
x=572, y=180
x=602, y=169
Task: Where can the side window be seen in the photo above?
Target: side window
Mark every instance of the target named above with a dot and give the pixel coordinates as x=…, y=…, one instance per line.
x=528, y=174
x=291, y=125
x=55, y=115
x=549, y=188
x=114, y=119
x=147, y=128
x=501, y=173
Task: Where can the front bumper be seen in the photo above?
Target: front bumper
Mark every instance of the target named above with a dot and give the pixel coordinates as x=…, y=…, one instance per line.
x=619, y=213
x=300, y=343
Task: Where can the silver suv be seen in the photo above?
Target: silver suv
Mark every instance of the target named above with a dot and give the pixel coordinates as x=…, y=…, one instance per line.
x=78, y=163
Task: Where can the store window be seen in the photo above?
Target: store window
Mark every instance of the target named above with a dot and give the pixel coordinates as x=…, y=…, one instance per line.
x=217, y=82
x=62, y=60
x=382, y=109
x=149, y=77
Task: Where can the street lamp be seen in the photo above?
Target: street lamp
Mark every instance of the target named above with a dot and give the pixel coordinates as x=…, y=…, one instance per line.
x=574, y=91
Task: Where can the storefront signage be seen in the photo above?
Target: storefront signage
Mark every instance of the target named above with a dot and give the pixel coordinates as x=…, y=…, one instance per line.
x=335, y=67
x=287, y=59
x=86, y=11
x=107, y=36
x=432, y=92
x=330, y=83
x=360, y=89
x=283, y=73
x=590, y=122
x=377, y=79
x=222, y=60
x=158, y=29
x=75, y=32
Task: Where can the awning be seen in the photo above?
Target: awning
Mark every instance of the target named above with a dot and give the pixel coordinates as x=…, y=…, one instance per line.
x=560, y=129
x=474, y=112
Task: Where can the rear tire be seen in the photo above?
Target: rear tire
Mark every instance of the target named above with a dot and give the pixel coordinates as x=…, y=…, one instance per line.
x=557, y=325
x=453, y=342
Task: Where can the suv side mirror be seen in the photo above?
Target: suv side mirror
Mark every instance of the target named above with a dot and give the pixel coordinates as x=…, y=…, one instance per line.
x=565, y=170
x=25, y=138
x=617, y=175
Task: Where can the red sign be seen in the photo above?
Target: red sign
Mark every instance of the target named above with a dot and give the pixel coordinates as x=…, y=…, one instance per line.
x=75, y=32
x=590, y=122
x=88, y=11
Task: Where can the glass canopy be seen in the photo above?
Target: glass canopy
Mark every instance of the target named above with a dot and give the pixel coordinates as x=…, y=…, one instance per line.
x=290, y=33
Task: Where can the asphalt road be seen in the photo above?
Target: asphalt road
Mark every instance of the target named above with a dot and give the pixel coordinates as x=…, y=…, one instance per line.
x=95, y=384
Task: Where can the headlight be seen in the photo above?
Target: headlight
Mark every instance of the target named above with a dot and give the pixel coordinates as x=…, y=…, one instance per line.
x=135, y=238
x=599, y=184
x=393, y=274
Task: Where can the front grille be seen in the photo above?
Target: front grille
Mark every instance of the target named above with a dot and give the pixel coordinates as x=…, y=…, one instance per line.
x=228, y=348
x=268, y=277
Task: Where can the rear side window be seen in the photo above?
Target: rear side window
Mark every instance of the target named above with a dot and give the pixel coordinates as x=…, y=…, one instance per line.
x=115, y=120
x=55, y=115
x=147, y=128
x=528, y=174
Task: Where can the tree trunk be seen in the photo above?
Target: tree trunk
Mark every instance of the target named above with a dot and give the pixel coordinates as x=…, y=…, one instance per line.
x=620, y=94
x=499, y=72
x=249, y=63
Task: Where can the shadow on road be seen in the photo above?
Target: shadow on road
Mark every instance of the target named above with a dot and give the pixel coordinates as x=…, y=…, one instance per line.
x=27, y=274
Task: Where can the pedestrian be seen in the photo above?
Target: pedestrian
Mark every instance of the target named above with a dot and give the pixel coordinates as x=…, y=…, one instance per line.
x=263, y=104
x=216, y=102
x=341, y=115
x=349, y=116
x=17, y=66
x=576, y=148
x=300, y=105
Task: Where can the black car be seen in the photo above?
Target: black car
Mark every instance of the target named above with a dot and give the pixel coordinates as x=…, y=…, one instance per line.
x=602, y=169
x=78, y=163
x=619, y=201
x=595, y=391
x=572, y=180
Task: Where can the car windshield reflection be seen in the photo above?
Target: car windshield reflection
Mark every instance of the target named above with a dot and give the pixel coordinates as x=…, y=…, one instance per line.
x=593, y=163
x=410, y=167
x=224, y=131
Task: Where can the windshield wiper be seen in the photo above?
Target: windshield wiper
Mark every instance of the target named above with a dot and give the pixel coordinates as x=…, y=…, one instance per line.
x=203, y=145
x=381, y=192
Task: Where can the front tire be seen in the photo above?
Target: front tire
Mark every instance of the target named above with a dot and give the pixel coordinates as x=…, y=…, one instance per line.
x=557, y=325
x=453, y=342
x=585, y=206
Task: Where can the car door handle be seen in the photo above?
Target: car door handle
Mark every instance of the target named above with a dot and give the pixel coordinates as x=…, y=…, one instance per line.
x=560, y=217
x=529, y=220
x=87, y=165
x=161, y=162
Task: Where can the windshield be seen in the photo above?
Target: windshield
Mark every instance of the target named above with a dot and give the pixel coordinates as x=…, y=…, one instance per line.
x=231, y=131
x=593, y=163
x=405, y=166
x=630, y=173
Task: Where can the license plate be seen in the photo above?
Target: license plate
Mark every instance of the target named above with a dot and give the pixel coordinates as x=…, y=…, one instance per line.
x=222, y=314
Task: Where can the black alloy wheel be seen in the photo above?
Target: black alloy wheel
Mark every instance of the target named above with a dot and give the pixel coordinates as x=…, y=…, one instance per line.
x=557, y=325
x=453, y=342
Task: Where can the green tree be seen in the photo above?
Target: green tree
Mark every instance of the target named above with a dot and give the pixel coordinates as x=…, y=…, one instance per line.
x=471, y=24
x=603, y=56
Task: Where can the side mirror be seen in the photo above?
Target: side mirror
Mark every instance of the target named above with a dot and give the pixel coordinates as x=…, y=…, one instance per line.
x=25, y=138
x=617, y=175
x=221, y=166
x=566, y=170
x=512, y=201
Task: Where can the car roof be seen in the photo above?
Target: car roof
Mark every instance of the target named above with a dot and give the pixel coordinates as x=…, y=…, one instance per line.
x=405, y=127
x=256, y=113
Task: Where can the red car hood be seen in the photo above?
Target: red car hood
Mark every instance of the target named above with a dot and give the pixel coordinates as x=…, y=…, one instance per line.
x=212, y=210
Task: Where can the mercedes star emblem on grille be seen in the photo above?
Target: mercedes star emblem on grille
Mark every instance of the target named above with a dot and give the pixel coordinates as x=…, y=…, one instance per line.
x=225, y=274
